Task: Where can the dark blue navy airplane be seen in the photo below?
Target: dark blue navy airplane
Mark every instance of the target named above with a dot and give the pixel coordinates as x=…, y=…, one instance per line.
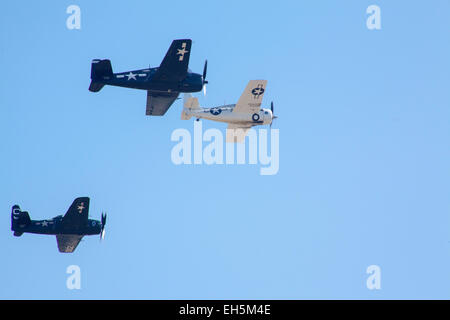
x=163, y=84
x=69, y=229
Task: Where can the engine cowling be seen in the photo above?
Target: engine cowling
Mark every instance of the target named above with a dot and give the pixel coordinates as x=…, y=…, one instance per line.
x=266, y=116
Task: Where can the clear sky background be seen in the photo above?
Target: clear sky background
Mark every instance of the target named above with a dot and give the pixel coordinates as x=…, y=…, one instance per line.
x=364, y=174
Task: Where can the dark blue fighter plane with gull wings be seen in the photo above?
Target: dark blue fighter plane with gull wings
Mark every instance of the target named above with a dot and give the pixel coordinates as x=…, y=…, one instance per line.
x=163, y=84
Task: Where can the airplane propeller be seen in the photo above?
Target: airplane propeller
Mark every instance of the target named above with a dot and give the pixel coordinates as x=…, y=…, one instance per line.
x=204, y=77
x=273, y=116
x=102, y=233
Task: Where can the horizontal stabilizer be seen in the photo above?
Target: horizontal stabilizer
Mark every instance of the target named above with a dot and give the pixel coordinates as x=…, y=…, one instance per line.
x=185, y=115
x=95, y=86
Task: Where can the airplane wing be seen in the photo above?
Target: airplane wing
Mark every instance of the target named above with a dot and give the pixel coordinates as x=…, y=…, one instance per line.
x=68, y=242
x=250, y=100
x=174, y=66
x=77, y=215
x=159, y=102
x=236, y=133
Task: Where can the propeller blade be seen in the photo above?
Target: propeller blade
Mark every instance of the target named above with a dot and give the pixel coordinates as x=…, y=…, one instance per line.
x=205, y=68
x=273, y=116
x=102, y=232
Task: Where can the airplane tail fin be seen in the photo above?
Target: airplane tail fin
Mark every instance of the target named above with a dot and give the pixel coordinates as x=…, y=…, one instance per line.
x=190, y=103
x=19, y=220
x=101, y=70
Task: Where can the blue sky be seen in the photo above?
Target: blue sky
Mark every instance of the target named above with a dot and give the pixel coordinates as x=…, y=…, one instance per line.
x=364, y=152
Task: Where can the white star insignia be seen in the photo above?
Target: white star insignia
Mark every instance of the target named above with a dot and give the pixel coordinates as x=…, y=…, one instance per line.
x=44, y=223
x=131, y=75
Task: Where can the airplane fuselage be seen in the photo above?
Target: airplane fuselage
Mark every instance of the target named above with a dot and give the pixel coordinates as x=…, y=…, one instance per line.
x=55, y=227
x=225, y=114
x=143, y=79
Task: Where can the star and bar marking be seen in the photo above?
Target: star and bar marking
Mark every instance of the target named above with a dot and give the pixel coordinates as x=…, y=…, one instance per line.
x=182, y=51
